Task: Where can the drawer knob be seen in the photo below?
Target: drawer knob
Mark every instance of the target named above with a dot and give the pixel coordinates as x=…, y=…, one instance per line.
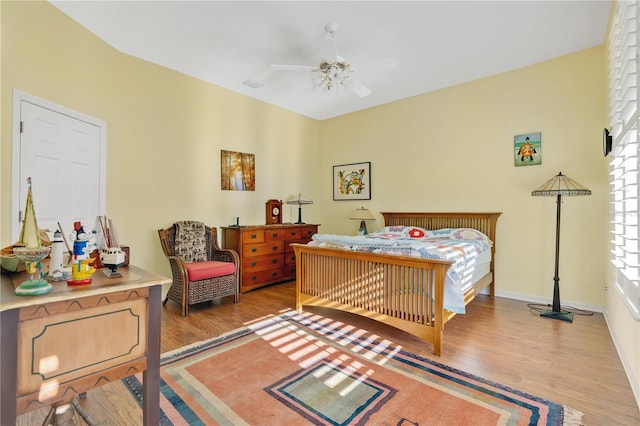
x=253, y=263
x=274, y=261
x=274, y=248
x=253, y=250
x=254, y=236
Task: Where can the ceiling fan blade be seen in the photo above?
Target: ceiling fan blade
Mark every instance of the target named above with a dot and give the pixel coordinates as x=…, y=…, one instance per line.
x=356, y=87
x=292, y=67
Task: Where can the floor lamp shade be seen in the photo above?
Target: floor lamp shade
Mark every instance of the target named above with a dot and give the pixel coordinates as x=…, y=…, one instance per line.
x=558, y=186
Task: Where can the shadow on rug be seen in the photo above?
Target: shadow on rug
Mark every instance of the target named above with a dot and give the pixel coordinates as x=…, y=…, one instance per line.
x=300, y=368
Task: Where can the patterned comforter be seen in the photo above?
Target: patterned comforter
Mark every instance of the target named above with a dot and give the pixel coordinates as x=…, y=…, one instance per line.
x=462, y=246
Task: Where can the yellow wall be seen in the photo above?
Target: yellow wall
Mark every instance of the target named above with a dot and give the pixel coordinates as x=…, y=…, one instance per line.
x=164, y=131
x=453, y=150
x=447, y=150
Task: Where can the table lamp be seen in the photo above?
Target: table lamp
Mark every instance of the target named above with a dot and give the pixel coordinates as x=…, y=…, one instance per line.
x=299, y=201
x=362, y=215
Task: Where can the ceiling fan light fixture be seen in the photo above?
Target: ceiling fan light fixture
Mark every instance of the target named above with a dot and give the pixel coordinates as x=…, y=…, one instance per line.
x=331, y=73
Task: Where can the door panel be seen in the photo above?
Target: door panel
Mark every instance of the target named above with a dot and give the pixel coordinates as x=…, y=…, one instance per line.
x=61, y=154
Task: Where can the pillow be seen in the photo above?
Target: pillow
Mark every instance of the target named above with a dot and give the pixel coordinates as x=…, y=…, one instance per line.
x=389, y=232
x=190, y=241
x=460, y=234
x=400, y=231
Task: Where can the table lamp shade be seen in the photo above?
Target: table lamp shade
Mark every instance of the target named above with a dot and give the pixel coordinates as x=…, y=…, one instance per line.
x=362, y=215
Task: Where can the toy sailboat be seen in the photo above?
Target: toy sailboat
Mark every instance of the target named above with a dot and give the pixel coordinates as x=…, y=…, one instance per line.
x=111, y=255
x=30, y=250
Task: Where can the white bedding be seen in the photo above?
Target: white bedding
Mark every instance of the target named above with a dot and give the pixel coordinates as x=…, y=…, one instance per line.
x=469, y=249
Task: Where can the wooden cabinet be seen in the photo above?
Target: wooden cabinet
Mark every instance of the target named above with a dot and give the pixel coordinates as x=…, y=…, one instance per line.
x=265, y=251
x=97, y=334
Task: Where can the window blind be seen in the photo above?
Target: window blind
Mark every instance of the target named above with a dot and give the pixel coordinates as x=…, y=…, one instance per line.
x=623, y=73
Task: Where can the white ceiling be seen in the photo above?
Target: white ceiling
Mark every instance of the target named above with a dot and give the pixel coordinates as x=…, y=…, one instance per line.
x=436, y=43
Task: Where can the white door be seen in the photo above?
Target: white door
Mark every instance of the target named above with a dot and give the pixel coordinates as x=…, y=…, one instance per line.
x=62, y=152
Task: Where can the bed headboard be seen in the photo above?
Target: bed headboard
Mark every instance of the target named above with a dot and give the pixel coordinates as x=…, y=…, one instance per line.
x=483, y=222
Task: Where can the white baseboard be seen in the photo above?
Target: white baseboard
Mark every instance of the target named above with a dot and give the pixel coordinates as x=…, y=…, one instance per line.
x=545, y=301
x=633, y=381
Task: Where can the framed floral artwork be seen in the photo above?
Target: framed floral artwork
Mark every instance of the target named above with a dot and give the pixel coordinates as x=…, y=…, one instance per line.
x=352, y=181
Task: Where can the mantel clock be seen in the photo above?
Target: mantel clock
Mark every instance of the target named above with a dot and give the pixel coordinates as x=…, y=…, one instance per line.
x=274, y=212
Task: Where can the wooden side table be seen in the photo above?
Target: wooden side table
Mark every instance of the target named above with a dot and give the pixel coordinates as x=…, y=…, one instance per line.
x=74, y=339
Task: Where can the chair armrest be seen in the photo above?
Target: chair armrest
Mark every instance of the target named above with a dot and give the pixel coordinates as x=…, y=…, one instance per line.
x=225, y=255
x=178, y=269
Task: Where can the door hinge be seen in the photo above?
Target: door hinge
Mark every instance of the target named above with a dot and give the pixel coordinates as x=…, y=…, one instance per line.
x=21, y=126
x=20, y=216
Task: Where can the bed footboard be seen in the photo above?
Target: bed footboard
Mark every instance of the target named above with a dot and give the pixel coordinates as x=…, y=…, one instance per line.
x=406, y=293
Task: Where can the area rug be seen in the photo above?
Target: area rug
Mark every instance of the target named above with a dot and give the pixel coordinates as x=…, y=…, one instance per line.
x=300, y=368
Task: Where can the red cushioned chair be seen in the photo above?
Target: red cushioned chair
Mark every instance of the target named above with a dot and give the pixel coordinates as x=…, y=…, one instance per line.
x=203, y=280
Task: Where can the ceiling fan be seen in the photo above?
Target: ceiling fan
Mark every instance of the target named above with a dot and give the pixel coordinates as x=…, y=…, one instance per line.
x=333, y=73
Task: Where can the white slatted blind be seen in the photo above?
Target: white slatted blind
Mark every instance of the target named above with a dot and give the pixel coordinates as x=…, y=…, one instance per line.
x=624, y=75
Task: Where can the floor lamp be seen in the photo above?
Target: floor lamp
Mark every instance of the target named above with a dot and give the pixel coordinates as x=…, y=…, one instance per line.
x=558, y=186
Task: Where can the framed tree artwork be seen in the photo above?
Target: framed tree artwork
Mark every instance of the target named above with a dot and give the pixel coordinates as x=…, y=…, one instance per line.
x=237, y=171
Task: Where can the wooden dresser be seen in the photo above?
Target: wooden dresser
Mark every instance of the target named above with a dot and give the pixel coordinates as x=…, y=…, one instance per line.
x=265, y=251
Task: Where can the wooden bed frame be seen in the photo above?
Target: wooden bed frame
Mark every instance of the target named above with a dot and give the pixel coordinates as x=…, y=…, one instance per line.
x=406, y=293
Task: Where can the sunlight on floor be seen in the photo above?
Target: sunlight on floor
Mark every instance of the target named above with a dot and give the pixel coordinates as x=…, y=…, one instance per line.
x=308, y=350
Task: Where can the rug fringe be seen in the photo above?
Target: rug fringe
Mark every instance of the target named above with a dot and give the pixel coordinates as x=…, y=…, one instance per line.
x=200, y=343
x=572, y=417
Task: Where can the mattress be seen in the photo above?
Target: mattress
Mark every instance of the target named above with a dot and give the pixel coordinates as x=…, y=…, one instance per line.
x=468, y=249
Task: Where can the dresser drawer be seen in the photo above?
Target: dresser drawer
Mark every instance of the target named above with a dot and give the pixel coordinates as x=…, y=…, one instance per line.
x=292, y=234
x=307, y=232
x=252, y=236
x=262, y=249
x=257, y=278
x=290, y=258
x=290, y=270
x=262, y=262
x=275, y=234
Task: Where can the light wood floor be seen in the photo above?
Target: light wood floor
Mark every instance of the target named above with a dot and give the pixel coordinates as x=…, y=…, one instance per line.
x=574, y=364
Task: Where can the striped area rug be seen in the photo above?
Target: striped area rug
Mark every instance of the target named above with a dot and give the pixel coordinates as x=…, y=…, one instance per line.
x=300, y=368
